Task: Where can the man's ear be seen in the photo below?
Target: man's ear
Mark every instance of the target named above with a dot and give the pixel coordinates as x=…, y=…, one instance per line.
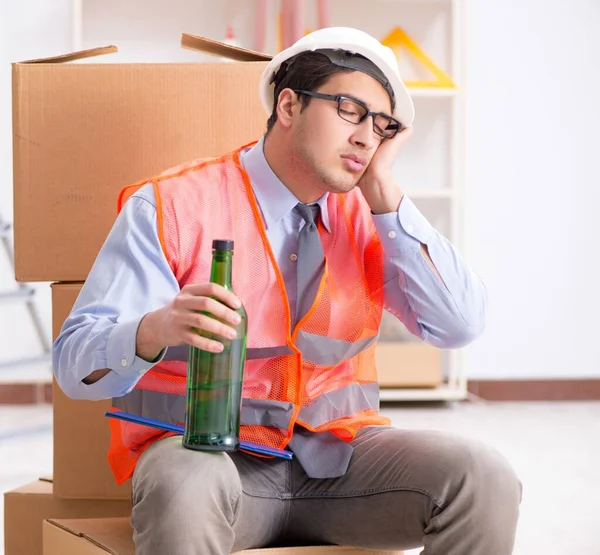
x=287, y=102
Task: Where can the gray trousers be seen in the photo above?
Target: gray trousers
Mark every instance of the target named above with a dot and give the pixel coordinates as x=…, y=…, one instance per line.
x=403, y=489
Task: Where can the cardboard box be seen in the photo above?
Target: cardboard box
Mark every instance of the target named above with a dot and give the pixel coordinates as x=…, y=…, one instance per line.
x=25, y=509
x=408, y=364
x=81, y=132
x=81, y=431
x=114, y=535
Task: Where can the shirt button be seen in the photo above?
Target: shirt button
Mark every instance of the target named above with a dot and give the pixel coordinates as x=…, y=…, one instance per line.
x=392, y=234
x=293, y=257
x=123, y=362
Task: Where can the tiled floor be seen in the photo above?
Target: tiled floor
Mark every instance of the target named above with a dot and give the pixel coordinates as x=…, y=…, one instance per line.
x=555, y=448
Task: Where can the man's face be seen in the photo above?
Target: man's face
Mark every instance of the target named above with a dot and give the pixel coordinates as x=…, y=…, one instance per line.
x=336, y=151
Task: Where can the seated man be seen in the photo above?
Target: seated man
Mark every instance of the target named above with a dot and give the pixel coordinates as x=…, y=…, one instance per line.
x=339, y=115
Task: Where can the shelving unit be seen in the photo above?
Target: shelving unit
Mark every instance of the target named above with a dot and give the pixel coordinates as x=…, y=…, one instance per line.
x=430, y=168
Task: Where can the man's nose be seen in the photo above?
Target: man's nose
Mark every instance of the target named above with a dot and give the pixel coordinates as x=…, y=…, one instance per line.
x=364, y=136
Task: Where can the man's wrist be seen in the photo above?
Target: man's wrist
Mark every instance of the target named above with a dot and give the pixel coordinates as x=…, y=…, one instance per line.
x=146, y=345
x=383, y=195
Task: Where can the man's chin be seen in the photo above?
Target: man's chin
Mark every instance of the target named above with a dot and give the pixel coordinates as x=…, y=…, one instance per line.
x=342, y=187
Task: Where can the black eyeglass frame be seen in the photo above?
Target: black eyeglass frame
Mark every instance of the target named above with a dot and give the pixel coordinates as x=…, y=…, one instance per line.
x=339, y=99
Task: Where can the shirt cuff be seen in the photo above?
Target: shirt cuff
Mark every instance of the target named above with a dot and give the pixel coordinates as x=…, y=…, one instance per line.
x=403, y=230
x=120, y=351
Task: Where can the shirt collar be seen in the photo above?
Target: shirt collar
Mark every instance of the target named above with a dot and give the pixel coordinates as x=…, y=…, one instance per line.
x=274, y=198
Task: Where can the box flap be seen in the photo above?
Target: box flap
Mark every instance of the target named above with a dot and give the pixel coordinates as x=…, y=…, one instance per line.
x=222, y=50
x=37, y=487
x=74, y=56
x=113, y=535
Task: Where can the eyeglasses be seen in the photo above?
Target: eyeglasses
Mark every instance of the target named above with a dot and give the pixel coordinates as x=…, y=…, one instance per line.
x=354, y=111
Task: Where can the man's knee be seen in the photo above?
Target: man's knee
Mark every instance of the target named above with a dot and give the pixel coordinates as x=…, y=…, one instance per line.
x=173, y=487
x=444, y=465
x=480, y=471
x=190, y=480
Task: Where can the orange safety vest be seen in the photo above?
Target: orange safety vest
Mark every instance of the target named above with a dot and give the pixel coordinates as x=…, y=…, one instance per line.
x=321, y=374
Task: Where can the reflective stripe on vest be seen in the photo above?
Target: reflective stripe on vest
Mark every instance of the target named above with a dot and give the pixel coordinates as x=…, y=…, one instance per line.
x=327, y=351
x=330, y=406
x=171, y=408
x=351, y=399
x=317, y=349
x=181, y=352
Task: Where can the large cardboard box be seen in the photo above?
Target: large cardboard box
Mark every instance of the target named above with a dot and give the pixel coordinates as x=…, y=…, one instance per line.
x=408, y=364
x=83, y=131
x=25, y=509
x=81, y=431
x=114, y=535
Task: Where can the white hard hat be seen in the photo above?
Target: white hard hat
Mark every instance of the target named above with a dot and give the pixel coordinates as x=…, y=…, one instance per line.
x=345, y=40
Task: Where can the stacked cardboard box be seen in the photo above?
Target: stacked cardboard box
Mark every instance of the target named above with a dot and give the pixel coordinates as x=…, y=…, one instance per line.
x=25, y=509
x=81, y=133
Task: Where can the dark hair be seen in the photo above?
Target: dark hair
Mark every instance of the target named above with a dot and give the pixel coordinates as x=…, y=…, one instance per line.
x=307, y=71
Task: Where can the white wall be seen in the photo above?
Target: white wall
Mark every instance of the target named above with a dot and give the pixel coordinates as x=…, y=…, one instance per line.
x=28, y=29
x=151, y=30
x=532, y=181
x=534, y=185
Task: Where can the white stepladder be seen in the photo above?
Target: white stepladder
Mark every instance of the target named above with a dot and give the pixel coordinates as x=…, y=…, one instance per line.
x=24, y=293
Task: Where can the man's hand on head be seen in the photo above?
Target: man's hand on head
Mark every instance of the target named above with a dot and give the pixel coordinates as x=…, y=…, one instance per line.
x=377, y=184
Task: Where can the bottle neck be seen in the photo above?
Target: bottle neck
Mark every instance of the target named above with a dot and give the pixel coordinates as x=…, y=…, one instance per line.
x=221, y=268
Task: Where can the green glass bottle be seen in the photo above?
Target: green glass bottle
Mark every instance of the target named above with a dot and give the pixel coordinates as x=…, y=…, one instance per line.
x=214, y=383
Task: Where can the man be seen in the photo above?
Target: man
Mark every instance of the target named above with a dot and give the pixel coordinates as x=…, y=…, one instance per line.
x=339, y=116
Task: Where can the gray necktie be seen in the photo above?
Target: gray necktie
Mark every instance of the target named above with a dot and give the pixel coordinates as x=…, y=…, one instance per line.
x=310, y=259
x=321, y=454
